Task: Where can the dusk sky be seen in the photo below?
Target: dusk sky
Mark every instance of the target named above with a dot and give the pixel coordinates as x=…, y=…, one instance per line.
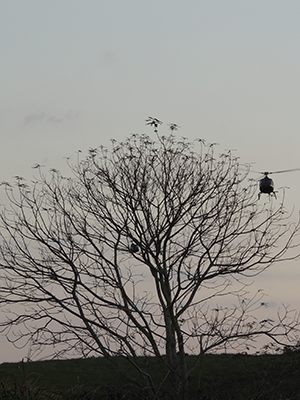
x=75, y=74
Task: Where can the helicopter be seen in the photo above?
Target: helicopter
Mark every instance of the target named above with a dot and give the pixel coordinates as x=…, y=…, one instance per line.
x=266, y=184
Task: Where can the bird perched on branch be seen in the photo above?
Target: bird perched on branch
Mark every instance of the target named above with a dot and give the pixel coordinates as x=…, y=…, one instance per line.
x=134, y=248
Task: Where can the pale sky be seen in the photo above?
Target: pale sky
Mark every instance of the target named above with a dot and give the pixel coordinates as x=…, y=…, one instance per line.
x=75, y=74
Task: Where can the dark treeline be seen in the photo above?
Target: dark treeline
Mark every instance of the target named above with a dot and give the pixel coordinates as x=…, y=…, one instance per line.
x=218, y=377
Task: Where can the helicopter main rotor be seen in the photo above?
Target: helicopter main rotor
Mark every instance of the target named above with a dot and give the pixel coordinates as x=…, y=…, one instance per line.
x=278, y=172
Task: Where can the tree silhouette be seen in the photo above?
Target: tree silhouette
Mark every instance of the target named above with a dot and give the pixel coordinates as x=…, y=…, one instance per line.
x=132, y=255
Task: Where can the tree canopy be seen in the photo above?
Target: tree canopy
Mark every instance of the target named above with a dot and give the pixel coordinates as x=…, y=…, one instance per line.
x=133, y=254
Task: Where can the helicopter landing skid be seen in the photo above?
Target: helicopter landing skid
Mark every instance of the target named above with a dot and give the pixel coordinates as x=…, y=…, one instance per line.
x=270, y=194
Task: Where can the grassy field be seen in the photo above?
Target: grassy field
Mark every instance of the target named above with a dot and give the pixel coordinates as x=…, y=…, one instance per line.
x=220, y=377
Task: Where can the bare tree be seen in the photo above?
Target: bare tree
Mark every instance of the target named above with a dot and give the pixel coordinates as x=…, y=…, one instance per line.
x=134, y=253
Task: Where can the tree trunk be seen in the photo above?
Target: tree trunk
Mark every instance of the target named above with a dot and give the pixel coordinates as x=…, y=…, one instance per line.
x=177, y=369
